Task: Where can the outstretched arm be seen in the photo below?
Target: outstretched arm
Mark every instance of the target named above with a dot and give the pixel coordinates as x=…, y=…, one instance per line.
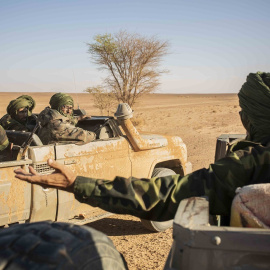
x=158, y=198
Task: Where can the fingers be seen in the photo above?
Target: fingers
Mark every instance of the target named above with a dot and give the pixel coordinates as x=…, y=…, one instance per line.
x=22, y=177
x=55, y=165
x=32, y=170
x=38, y=179
x=20, y=171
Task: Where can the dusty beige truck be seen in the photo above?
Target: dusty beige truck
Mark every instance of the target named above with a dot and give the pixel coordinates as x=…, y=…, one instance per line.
x=118, y=150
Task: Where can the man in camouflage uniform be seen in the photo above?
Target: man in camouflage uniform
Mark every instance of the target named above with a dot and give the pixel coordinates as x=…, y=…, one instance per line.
x=19, y=114
x=158, y=198
x=58, y=123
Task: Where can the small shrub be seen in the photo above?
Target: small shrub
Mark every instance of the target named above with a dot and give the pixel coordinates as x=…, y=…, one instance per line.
x=104, y=100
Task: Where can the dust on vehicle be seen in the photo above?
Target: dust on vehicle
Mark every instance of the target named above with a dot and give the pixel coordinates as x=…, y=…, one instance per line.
x=118, y=150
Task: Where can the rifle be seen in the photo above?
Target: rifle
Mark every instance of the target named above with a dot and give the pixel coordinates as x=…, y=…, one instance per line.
x=26, y=144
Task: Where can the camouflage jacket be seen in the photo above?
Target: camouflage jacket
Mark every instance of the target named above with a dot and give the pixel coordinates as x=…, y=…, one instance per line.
x=9, y=123
x=56, y=127
x=158, y=198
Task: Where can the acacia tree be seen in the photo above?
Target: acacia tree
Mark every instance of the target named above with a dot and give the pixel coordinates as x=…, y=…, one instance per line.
x=132, y=62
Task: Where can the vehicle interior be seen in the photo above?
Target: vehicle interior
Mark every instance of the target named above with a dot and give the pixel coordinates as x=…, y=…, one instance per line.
x=104, y=127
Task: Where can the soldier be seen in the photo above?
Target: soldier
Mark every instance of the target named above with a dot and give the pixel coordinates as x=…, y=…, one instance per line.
x=19, y=114
x=58, y=123
x=158, y=198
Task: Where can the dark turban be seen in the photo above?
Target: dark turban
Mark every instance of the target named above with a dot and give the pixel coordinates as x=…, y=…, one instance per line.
x=254, y=99
x=23, y=101
x=60, y=99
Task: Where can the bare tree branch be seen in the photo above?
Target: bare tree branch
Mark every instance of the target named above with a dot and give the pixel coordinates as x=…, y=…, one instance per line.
x=132, y=61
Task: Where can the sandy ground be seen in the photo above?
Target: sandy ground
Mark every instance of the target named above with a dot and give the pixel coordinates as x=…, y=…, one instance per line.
x=197, y=119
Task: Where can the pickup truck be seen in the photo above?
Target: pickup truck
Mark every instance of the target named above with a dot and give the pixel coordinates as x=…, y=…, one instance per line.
x=119, y=149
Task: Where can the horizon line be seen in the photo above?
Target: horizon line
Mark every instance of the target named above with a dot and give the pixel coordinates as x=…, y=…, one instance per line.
x=204, y=93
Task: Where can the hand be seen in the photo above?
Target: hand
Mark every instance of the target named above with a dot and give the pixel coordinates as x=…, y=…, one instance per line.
x=62, y=178
x=81, y=117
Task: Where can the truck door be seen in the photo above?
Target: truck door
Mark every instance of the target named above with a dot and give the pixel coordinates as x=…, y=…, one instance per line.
x=97, y=159
x=15, y=195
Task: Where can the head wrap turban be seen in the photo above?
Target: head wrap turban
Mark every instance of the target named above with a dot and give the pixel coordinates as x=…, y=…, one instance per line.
x=254, y=99
x=60, y=99
x=23, y=101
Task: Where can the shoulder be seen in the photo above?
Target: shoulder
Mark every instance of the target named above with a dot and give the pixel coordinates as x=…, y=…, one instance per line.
x=48, y=111
x=242, y=145
x=247, y=149
x=48, y=115
x=5, y=119
x=9, y=123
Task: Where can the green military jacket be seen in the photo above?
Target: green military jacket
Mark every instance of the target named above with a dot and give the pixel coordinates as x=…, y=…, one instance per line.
x=9, y=123
x=4, y=142
x=5, y=152
x=56, y=127
x=158, y=198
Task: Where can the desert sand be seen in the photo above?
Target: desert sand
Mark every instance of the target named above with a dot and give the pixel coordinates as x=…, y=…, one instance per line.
x=197, y=119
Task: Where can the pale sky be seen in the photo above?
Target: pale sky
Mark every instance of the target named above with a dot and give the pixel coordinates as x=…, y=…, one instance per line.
x=213, y=44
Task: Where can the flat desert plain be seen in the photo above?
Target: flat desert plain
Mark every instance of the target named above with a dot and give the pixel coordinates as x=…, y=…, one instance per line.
x=197, y=119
